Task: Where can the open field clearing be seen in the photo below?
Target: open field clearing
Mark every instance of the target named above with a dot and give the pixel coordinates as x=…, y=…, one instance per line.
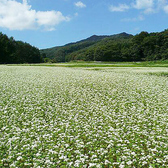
x=85, y=64
x=83, y=117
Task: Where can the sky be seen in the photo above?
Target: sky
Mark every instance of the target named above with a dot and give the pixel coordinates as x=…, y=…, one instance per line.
x=50, y=23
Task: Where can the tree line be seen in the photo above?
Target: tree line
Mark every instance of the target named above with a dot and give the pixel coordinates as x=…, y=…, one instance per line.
x=122, y=47
x=141, y=47
x=15, y=52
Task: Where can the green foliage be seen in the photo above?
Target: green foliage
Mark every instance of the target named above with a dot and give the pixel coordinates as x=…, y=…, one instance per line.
x=47, y=60
x=116, y=48
x=12, y=51
x=86, y=49
x=121, y=47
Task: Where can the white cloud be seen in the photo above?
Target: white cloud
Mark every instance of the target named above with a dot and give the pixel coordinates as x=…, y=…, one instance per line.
x=120, y=8
x=80, y=4
x=143, y=4
x=151, y=6
x=50, y=18
x=76, y=14
x=139, y=18
x=162, y=4
x=166, y=9
x=145, y=7
x=20, y=16
x=150, y=11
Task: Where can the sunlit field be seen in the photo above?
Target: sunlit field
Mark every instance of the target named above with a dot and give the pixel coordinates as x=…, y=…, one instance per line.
x=83, y=117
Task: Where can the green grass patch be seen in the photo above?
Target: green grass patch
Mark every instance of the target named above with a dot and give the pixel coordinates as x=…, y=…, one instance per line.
x=99, y=64
x=165, y=74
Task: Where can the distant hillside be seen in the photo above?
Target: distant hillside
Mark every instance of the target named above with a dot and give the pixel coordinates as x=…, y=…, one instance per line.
x=62, y=53
x=120, y=47
x=93, y=38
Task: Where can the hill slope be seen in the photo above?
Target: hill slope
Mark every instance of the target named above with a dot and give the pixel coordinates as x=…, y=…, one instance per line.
x=61, y=54
x=120, y=47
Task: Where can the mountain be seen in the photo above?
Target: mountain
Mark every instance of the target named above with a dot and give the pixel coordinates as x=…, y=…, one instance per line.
x=119, y=47
x=93, y=38
x=60, y=53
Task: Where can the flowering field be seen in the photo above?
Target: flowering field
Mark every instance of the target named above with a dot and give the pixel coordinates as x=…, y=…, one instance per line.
x=73, y=117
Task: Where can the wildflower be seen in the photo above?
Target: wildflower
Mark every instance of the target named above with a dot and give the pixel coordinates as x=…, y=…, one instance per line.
x=19, y=158
x=129, y=162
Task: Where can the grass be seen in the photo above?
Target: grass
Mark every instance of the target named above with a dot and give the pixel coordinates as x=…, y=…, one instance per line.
x=102, y=64
x=163, y=74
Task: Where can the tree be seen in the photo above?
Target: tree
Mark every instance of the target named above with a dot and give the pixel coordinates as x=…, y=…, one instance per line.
x=12, y=51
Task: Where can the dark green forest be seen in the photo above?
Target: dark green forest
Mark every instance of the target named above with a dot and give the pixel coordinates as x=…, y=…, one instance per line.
x=14, y=52
x=121, y=47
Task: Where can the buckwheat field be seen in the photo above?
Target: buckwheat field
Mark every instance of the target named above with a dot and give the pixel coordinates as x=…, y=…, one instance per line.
x=73, y=117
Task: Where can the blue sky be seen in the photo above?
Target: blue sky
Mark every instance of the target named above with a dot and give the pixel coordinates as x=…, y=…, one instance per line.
x=49, y=23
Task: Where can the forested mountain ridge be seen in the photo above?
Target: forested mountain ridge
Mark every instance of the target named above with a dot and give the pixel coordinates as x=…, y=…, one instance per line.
x=63, y=53
x=12, y=51
x=120, y=47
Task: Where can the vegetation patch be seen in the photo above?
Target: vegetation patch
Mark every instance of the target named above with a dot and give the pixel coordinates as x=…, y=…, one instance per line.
x=164, y=74
x=122, y=47
x=72, y=117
